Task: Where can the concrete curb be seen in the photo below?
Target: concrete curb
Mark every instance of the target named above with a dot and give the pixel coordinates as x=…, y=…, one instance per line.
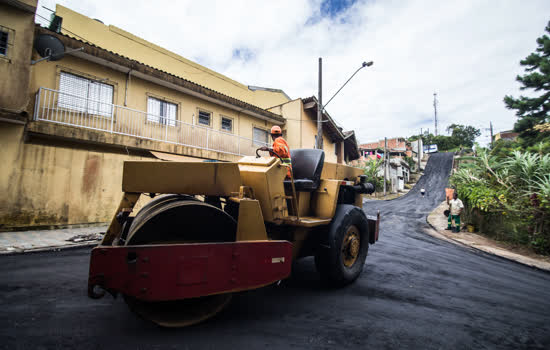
x=48, y=248
x=498, y=252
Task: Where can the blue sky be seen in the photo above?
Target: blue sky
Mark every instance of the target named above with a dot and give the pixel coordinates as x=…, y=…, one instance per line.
x=467, y=51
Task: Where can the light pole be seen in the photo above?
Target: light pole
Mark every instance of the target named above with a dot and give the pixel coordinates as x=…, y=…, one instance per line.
x=321, y=107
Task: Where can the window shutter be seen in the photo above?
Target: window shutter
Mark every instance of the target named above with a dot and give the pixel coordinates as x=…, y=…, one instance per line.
x=153, y=109
x=171, y=113
x=74, y=91
x=84, y=95
x=259, y=136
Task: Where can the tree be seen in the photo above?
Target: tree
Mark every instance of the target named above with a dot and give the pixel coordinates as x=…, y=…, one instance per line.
x=463, y=135
x=533, y=111
x=444, y=143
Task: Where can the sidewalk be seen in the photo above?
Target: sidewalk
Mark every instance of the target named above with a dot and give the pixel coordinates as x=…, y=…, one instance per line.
x=438, y=221
x=43, y=240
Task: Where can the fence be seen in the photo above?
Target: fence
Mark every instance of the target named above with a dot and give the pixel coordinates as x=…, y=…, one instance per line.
x=67, y=109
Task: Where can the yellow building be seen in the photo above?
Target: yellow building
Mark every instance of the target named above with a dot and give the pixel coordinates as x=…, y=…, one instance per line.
x=67, y=123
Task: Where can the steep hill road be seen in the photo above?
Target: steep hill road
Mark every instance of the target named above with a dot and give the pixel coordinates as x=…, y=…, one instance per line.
x=415, y=292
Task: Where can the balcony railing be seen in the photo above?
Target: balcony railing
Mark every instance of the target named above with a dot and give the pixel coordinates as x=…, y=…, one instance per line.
x=67, y=109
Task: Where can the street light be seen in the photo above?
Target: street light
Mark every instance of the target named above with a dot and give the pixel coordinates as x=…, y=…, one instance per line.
x=321, y=107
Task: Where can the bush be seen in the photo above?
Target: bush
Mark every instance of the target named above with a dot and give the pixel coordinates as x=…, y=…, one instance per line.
x=508, y=196
x=371, y=171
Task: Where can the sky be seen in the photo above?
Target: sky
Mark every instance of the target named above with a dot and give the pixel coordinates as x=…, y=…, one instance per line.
x=466, y=51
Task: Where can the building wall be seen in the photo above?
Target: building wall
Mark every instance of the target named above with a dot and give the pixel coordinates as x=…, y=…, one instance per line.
x=301, y=128
x=54, y=182
x=119, y=41
x=47, y=74
x=14, y=68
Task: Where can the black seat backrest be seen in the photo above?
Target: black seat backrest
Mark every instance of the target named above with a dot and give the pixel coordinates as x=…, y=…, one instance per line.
x=307, y=164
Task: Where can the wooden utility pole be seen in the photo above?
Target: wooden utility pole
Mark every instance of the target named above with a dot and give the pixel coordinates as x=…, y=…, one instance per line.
x=435, y=112
x=419, y=138
x=491, y=127
x=319, y=144
x=385, y=163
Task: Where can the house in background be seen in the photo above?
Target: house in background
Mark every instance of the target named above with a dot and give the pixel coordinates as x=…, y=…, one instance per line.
x=300, y=130
x=506, y=135
x=397, y=147
x=398, y=168
x=67, y=125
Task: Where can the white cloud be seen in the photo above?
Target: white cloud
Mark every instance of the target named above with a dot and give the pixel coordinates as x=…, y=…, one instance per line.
x=466, y=51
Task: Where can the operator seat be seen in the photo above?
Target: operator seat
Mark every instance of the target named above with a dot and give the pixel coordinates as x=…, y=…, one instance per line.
x=307, y=165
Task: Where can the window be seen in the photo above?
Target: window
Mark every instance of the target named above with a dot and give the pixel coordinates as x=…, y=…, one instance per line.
x=227, y=124
x=336, y=147
x=259, y=136
x=205, y=118
x=161, y=112
x=85, y=95
x=3, y=43
x=6, y=40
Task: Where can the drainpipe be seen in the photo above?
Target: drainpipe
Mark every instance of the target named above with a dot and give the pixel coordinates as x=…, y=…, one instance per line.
x=126, y=89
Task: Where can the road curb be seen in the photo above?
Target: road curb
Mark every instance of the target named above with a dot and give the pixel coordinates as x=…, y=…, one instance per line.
x=48, y=248
x=434, y=232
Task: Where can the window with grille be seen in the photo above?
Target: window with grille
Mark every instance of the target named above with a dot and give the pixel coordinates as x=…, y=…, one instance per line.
x=84, y=95
x=6, y=41
x=259, y=136
x=205, y=118
x=227, y=124
x=161, y=112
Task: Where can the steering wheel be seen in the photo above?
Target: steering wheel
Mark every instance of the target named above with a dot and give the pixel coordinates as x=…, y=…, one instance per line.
x=276, y=155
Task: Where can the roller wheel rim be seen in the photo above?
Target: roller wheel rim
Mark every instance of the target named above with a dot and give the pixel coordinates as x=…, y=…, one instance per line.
x=350, y=246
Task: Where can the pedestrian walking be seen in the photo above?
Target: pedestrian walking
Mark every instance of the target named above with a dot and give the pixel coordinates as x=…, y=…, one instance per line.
x=455, y=208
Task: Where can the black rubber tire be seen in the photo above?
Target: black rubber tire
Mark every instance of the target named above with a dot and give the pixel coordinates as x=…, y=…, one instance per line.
x=328, y=258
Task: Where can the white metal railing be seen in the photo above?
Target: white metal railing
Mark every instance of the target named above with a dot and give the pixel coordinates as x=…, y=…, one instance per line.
x=67, y=109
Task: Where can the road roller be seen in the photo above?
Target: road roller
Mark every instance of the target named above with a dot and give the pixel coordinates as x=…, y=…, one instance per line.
x=213, y=229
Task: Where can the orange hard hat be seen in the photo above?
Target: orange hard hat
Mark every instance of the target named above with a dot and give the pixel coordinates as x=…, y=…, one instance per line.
x=276, y=130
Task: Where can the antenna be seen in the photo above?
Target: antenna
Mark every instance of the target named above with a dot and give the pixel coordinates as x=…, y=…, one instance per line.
x=50, y=48
x=435, y=112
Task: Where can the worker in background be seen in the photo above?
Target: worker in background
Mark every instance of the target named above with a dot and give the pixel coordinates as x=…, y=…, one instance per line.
x=280, y=148
x=455, y=208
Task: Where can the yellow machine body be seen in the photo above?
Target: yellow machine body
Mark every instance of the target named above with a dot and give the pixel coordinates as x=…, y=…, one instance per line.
x=255, y=183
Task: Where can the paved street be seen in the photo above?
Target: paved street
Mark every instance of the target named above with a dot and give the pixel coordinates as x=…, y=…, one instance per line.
x=415, y=292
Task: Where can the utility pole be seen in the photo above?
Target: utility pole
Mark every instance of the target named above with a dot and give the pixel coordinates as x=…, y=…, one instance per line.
x=385, y=163
x=319, y=144
x=491, y=127
x=420, y=138
x=435, y=112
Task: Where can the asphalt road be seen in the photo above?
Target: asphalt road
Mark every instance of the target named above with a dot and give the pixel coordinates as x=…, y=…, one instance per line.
x=415, y=292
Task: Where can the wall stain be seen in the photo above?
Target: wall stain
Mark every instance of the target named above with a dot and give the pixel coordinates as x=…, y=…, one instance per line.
x=91, y=174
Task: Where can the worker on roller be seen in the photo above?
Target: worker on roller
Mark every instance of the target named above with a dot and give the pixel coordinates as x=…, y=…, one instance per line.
x=280, y=148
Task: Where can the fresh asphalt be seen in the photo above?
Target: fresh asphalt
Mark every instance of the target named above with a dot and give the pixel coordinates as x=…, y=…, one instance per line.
x=415, y=292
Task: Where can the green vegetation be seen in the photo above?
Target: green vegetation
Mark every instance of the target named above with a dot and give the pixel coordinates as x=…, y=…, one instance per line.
x=462, y=136
x=507, y=195
x=532, y=112
x=506, y=191
x=371, y=170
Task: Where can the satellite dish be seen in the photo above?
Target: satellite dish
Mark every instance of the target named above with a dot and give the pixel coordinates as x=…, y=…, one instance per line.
x=49, y=47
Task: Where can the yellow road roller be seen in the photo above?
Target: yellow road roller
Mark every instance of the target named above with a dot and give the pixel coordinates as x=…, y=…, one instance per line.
x=214, y=229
